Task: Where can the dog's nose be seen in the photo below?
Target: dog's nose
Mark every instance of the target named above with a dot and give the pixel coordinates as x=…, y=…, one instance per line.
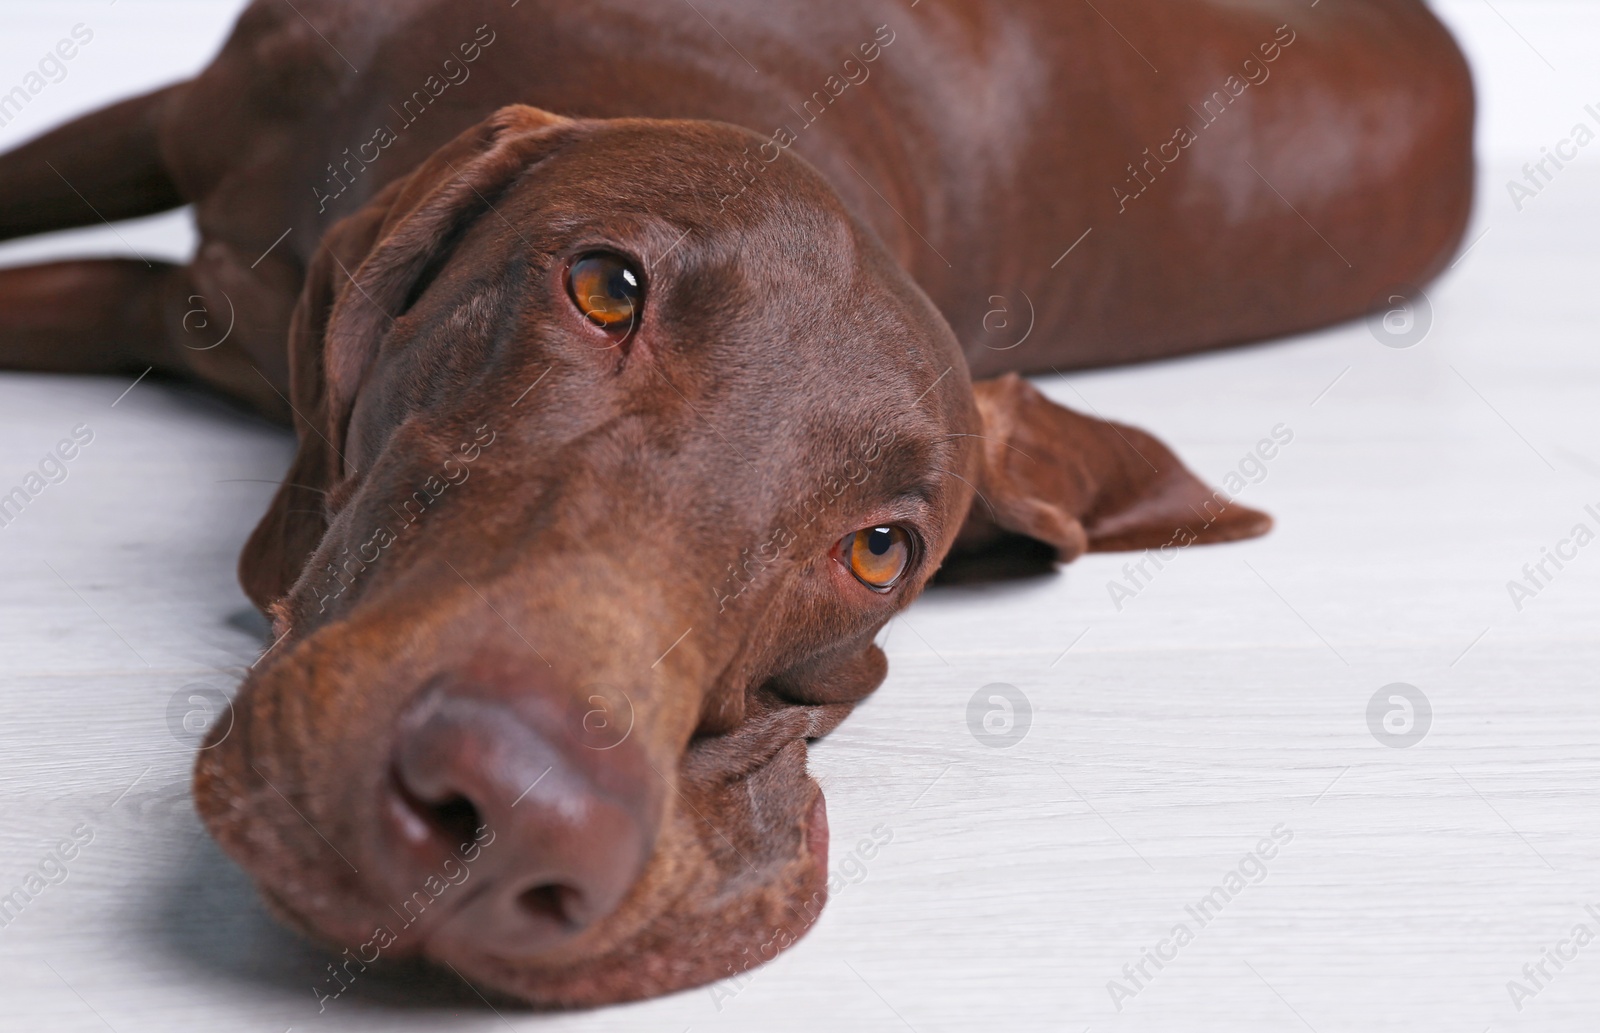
x=547, y=833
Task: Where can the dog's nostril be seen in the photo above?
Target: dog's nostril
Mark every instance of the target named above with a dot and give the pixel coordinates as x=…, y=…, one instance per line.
x=457, y=818
x=453, y=819
x=551, y=901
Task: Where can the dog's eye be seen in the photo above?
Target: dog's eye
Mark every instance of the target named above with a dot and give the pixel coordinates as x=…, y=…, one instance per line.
x=877, y=556
x=606, y=289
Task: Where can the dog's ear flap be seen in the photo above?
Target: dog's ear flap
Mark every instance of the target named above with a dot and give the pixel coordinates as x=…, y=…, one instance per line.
x=1055, y=484
x=297, y=519
x=361, y=278
x=422, y=219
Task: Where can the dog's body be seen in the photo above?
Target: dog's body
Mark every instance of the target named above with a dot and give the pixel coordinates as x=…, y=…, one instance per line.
x=1069, y=185
x=981, y=142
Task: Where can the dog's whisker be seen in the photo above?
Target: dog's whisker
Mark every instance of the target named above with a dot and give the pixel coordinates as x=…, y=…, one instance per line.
x=261, y=480
x=985, y=437
x=992, y=511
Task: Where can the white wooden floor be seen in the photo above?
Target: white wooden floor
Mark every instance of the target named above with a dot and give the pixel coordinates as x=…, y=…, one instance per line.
x=1227, y=702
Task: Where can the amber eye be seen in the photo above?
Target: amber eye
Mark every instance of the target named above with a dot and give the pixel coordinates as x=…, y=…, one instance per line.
x=877, y=556
x=606, y=289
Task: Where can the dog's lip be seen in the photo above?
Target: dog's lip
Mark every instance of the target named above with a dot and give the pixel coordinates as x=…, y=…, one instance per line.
x=758, y=740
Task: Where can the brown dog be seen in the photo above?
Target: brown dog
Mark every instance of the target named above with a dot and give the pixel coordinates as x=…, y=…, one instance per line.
x=630, y=412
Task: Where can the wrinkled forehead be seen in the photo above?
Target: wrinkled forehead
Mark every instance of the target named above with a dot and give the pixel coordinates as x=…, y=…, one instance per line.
x=775, y=330
x=752, y=265
x=696, y=195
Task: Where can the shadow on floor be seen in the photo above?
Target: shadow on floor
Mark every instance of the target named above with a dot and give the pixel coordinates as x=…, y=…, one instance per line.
x=210, y=917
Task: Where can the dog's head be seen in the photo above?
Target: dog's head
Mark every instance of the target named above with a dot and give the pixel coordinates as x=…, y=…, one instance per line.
x=613, y=461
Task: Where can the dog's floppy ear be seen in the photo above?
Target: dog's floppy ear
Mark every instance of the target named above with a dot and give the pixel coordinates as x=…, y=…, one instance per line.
x=1054, y=484
x=363, y=274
